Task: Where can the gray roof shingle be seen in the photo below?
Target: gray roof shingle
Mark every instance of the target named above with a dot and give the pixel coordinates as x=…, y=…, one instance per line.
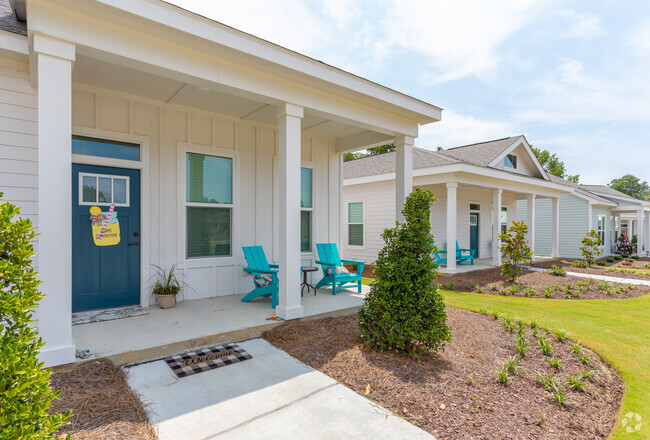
x=608, y=191
x=9, y=22
x=482, y=153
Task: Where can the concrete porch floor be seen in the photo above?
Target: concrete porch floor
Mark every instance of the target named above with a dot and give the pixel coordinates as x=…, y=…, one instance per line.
x=198, y=323
x=479, y=264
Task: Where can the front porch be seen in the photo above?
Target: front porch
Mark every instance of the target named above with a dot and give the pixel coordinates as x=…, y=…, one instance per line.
x=479, y=264
x=197, y=323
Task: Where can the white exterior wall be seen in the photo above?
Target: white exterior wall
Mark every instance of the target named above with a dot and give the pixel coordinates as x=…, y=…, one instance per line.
x=606, y=212
x=543, y=224
x=19, y=141
x=167, y=128
x=379, y=214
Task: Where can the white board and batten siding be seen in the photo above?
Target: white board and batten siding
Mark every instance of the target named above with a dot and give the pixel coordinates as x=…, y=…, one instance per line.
x=19, y=142
x=169, y=130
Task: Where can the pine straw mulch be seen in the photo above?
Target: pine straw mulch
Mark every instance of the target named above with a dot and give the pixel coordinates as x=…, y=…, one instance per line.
x=454, y=394
x=104, y=407
x=639, y=264
x=487, y=279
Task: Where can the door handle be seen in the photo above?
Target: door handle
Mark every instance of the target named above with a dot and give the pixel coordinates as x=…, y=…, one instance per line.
x=135, y=243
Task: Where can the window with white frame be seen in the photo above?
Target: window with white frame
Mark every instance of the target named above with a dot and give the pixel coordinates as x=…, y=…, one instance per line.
x=208, y=205
x=103, y=189
x=306, y=207
x=504, y=219
x=601, y=229
x=355, y=223
x=510, y=161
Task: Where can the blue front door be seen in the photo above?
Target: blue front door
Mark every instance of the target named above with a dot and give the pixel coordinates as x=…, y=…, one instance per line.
x=105, y=275
x=473, y=232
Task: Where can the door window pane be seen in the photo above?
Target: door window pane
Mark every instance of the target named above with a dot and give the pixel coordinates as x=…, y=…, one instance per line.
x=105, y=194
x=89, y=189
x=306, y=181
x=305, y=231
x=119, y=190
x=208, y=232
x=208, y=179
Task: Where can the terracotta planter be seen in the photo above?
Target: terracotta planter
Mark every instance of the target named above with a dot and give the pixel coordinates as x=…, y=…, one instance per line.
x=166, y=301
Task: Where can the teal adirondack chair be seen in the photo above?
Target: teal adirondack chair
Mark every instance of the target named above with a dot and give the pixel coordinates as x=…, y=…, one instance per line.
x=441, y=256
x=258, y=265
x=330, y=259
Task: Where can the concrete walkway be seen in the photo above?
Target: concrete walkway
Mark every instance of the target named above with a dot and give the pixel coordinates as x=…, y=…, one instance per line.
x=599, y=277
x=270, y=396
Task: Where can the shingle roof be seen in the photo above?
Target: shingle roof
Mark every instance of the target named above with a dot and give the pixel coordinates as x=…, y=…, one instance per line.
x=8, y=21
x=482, y=153
x=607, y=191
x=578, y=188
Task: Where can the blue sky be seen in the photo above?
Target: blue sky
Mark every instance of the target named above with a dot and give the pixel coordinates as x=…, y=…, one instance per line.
x=573, y=76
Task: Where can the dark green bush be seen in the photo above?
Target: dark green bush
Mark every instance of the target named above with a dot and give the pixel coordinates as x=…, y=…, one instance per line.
x=515, y=250
x=25, y=392
x=600, y=263
x=634, y=257
x=618, y=257
x=404, y=310
x=610, y=260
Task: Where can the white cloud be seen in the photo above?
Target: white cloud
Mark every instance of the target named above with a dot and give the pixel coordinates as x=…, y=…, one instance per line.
x=456, y=38
x=639, y=38
x=582, y=25
x=456, y=129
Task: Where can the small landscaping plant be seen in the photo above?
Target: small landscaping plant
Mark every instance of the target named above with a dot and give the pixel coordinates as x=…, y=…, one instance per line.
x=548, y=292
x=580, y=263
x=404, y=310
x=515, y=250
x=25, y=392
x=590, y=247
x=610, y=260
x=554, y=362
x=557, y=271
x=576, y=382
x=561, y=335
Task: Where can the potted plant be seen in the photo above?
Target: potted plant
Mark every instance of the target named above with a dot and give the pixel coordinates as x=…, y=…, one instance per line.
x=166, y=285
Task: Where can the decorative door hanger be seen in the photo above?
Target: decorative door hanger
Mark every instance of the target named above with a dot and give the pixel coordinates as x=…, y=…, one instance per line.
x=105, y=226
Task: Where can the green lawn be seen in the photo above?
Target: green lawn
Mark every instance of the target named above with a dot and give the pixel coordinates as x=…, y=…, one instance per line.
x=618, y=329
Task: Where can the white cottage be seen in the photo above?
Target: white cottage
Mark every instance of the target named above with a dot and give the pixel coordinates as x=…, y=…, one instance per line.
x=202, y=138
x=478, y=187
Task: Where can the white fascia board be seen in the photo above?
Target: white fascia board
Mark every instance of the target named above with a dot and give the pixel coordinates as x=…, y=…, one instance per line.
x=619, y=199
x=14, y=44
x=171, y=16
x=473, y=175
x=593, y=201
x=134, y=48
x=631, y=208
x=523, y=141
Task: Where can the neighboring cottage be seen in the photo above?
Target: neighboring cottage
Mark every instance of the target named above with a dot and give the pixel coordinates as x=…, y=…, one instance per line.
x=479, y=188
x=196, y=137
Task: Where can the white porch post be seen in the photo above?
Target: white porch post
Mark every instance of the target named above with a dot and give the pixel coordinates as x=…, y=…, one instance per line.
x=640, y=240
x=618, y=226
x=289, y=120
x=555, y=227
x=646, y=232
x=403, y=172
x=531, y=222
x=53, y=59
x=496, y=226
x=452, y=192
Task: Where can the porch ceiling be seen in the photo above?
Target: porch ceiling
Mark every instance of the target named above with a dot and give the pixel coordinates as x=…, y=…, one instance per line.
x=98, y=73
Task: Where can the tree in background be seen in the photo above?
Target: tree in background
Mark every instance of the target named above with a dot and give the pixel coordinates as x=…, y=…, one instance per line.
x=25, y=392
x=369, y=152
x=632, y=186
x=553, y=165
x=404, y=309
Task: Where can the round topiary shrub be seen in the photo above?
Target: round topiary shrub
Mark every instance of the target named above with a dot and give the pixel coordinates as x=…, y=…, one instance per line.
x=404, y=310
x=25, y=392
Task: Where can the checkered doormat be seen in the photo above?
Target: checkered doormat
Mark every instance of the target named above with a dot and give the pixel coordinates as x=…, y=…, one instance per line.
x=198, y=361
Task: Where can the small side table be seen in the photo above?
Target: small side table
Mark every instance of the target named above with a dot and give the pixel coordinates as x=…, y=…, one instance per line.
x=305, y=270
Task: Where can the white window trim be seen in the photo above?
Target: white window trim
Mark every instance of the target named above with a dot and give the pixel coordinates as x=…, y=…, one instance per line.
x=181, y=232
x=363, y=223
x=310, y=165
x=516, y=162
x=107, y=176
x=604, y=230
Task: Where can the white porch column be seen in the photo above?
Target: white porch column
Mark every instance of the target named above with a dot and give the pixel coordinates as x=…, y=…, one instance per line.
x=530, y=221
x=640, y=239
x=289, y=120
x=496, y=226
x=452, y=192
x=555, y=227
x=53, y=58
x=403, y=172
x=618, y=226
x=646, y=232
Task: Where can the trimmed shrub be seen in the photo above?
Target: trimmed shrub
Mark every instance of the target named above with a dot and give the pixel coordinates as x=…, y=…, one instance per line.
x=557, y=271
x=590, y=249
x=600, y=263
x=610, y=260
x=25, y=389
x=515, y=250
x=618, y=257
x=404, y=310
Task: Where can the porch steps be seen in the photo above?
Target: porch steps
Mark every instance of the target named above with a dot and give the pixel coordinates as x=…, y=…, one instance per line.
x=238, y=335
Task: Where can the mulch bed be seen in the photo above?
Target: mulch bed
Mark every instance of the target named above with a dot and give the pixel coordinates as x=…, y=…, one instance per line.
x=104, y=407
x=488, y=279
x=454, y=394
x=603, y=270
